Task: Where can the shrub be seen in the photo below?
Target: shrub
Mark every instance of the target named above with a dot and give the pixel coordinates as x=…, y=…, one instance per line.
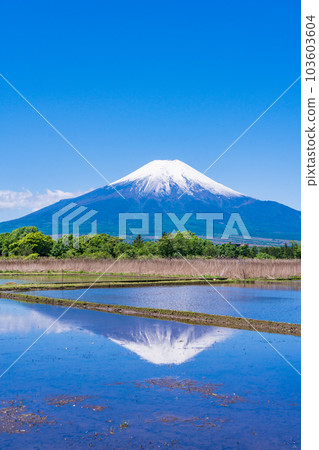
x=32, y=256
x=262, y=255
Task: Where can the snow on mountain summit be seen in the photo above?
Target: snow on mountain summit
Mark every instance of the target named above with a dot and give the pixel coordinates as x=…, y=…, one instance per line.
x=160, y=176
x=161, y=345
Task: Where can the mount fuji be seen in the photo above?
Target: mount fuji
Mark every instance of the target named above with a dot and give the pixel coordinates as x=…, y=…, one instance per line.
x=164, y=186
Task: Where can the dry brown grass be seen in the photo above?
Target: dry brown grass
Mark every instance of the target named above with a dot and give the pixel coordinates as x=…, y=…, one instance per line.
x=230, y=268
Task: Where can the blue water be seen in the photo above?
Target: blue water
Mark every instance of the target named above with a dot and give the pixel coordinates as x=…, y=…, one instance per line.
x=277, y=303
x=14, y=280
x=176, y=385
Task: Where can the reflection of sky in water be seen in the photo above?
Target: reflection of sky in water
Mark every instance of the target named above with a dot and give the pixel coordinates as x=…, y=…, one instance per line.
x=279, y=304
x=19, y=319
x=14, y=280
x=82, y=356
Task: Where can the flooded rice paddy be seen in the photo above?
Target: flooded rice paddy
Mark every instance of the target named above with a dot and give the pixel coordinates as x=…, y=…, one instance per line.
x=98, y=380
x=274, y=302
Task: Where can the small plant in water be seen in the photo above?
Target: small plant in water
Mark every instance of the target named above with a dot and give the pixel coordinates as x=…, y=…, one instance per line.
x=124, y=425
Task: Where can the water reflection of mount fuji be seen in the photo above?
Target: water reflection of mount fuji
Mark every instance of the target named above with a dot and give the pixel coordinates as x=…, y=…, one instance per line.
x=157, y=341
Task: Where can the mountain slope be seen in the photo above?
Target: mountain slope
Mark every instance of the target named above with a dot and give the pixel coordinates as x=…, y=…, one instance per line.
x=171, y=187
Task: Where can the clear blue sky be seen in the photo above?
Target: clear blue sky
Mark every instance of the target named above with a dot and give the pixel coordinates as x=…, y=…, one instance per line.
x=128, y=82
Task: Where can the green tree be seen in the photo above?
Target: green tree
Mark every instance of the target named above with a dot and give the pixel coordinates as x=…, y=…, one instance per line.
x=165, y=246
x=59, y=249
x=32, y=243
x=10, y=238
x=27, y=241
x=138, y=242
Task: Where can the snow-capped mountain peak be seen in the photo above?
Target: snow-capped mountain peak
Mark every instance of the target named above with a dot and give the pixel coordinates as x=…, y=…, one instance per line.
x=161, y=176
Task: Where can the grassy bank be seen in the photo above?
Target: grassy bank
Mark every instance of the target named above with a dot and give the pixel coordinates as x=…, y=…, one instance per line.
x=163, y=314
x=226, y=268
x=131, y=282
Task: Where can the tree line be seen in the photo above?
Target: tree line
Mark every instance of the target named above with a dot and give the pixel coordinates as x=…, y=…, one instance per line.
x=30, y=243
